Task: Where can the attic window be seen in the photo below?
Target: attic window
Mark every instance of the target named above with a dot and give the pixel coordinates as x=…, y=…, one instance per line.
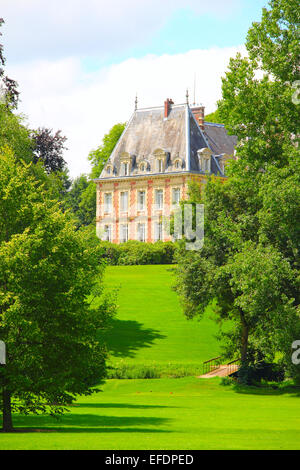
x=160, y=165
x=143, y=166
x=126, y=161
x=160, y=159
x=125, y=168
x=177, y=164
x=109, y=169
x=204, y=156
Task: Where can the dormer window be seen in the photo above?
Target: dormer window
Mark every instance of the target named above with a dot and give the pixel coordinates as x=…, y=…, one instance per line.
x=178, y=164
x=109, y=170
x=204, y=156
x=125, y=169
x=126, y=162
x=143, y=166
x=160, y=160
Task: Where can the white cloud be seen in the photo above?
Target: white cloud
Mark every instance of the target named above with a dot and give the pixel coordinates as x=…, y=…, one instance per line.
x=60, y=95
x=58, y=28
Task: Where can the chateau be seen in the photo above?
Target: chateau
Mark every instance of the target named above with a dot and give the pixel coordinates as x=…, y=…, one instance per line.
x=160, y=151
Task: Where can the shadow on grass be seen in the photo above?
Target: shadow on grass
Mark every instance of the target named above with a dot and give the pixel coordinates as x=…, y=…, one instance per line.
x=125, y=337
x=274, y=390
x=90, y=430
x=120, y=405
x=89, y=423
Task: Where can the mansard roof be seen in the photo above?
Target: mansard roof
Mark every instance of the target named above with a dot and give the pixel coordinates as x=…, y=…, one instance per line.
x=149, y=135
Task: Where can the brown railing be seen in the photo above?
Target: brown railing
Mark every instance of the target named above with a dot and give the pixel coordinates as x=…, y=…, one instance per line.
x=211, y=364
x=233, y=366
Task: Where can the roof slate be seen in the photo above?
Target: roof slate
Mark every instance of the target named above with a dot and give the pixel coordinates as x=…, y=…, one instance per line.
x=178, y=135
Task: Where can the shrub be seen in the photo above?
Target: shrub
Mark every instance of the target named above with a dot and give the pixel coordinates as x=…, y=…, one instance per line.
x=135, y=252
x=252, y=374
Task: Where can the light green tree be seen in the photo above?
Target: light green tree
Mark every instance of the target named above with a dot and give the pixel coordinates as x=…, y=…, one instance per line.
x=81, y=198
x=250, y=260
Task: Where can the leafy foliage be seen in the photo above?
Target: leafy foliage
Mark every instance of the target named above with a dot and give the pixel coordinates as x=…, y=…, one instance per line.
x=48, y=319
x=250, y=260
x=8, y=88
x=213, y=117
x=48, y=148
x=135, y=252
x=81, y=198
x=99, y=157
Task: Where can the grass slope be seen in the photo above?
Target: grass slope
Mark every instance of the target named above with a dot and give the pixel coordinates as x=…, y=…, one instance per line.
x=150, y=331
x=185, y=413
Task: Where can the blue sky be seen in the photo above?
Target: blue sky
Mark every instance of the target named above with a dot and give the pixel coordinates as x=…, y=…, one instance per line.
x=184, y=30
x=79, y=63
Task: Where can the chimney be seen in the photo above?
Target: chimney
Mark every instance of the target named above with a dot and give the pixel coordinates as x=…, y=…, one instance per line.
x=168, y=103
x=198, y=112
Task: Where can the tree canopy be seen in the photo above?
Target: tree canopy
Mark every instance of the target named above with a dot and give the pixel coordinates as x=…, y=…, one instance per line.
x=48, y=272
x=249, y=263
x=81, y=198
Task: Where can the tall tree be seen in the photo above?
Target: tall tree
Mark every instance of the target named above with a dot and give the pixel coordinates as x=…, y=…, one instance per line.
x=250, y=259
x=48, y=321
x=9, y=94
x=48, y=148
x=81, y=198
x=99, y=157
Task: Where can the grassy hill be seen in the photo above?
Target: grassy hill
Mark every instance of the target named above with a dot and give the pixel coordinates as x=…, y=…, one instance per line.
x=150, y=336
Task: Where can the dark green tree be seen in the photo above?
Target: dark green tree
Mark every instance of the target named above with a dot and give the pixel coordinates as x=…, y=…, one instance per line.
x=48, y=275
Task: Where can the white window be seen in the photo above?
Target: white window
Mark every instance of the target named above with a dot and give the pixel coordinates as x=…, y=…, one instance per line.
x=124, y=233
x=159, y=198
x=141, y=200
x=124, y=201
x=160, y=165
x=107, y=233
x=176, y=195
x=141, y=232
x=158, y=231
x=125, y=167
x=177, y=164
x=206, y=165
x=107, y=202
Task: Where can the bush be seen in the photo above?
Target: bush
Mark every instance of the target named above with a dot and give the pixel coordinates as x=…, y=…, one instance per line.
x=252, y=374
x=135, y=252
x=123, y=370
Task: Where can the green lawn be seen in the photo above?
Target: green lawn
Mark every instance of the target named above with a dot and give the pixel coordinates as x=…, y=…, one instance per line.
x=185, y=413
x=167, y=413
x=150, y=328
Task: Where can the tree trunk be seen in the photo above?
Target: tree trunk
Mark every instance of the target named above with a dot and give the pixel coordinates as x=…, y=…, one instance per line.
x=245, y=335
x=7, y=418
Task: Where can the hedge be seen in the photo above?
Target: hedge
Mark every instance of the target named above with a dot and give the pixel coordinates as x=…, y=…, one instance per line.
x=135, y=252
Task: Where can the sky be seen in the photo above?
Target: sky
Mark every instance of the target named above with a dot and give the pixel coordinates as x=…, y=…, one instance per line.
x=80, y=63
